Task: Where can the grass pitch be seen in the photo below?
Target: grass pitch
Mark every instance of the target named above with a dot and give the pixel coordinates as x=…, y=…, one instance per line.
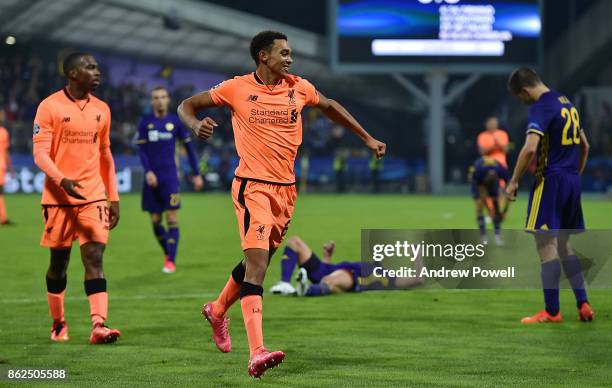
x=409, y=338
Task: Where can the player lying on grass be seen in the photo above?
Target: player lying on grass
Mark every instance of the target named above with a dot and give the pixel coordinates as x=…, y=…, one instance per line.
x=318, y=276
x=486, y=174
x=555, y=210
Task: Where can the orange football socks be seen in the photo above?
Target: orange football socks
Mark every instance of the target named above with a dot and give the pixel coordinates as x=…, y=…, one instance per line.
x=252, y=313
x=98, y=307
x=227, y=297
x=56, y=306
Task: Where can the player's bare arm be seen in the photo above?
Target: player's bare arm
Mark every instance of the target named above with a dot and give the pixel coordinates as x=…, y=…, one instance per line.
x=113, y=214
x=198, y=182
x=336, y=113
x=584, y=151
x=484, y=150
x=524, y=159
x=188, y=109
x=496, y=146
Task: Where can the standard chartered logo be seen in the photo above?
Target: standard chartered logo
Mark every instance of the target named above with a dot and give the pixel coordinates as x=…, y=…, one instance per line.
x=262, y=116
x=439, y=1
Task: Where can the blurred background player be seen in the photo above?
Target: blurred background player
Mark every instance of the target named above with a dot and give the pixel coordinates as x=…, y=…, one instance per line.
x=486, y=175
x=554, y=134
x=319, y=277
x=266, y=118
x=157, y=137
x=6, y=167
x=493, y=143
x=72, y=147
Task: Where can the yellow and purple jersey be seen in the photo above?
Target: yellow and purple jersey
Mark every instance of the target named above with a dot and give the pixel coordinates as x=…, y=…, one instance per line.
x=556, y=120
x=482, y=167
x=157, y=137
x=555, y=199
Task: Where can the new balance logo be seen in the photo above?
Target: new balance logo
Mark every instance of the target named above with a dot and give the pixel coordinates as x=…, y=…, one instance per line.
x=252, y=97
x=49, y=229
x=66, y=120
x=98, y=117
x=255, y=311
x=294, y=115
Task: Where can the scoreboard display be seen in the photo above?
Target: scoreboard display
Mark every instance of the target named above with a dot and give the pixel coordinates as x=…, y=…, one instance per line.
x=417, y=35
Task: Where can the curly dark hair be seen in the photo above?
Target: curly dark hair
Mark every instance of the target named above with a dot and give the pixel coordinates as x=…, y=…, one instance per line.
x=264, y=41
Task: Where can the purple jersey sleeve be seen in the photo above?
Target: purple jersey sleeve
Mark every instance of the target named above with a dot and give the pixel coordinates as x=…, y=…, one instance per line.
x=193, y=158
x=539, y=119
x=142, y=132
x=183, y=133
x=141, y=140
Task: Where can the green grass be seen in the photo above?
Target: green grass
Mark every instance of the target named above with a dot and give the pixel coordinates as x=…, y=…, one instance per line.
x=442, y=337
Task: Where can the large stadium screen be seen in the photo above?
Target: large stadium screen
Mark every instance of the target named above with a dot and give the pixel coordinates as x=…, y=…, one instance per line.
x=417, y=35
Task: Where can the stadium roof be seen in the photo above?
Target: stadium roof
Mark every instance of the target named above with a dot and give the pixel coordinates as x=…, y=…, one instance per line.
x=180, y=32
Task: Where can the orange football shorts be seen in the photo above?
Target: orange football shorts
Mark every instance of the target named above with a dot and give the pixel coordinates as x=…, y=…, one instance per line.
x=64, y=224
x=263, y=211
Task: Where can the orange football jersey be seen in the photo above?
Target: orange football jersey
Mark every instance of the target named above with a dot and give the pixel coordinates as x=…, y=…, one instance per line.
x=267, y=123
x=4, y=147
x=495, y=140
x=74, y=133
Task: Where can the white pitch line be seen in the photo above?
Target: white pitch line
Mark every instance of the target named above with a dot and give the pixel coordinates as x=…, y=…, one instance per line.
x=211, y=295
x=114, y=298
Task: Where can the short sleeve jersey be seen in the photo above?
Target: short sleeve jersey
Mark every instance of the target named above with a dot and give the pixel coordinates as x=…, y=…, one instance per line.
x=4, y=147
x=267, y=123
x=556, y=120
x=488, y=139
x=159, y=136
x=77, y=129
